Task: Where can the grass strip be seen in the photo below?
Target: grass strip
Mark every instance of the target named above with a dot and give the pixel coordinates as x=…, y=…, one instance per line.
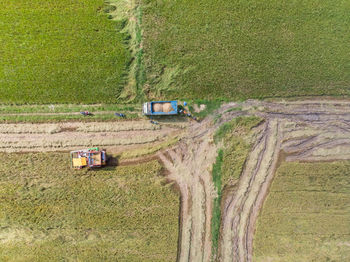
x=63, y=118
x=216, y=219
x=229, y=164
x=67, y=108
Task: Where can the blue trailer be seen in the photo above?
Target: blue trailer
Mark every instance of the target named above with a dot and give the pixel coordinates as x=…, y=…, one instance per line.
x=158, y=108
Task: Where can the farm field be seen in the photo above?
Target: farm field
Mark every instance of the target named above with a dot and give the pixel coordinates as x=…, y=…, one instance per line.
x=306, y=216
x=252, y=173
x=50, y=212
x=123, y=139
x=222, y=167
x=60, y=52
x=236, y=50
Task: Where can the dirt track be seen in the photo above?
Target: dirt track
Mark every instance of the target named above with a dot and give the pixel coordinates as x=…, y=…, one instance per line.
x=189, y=165
x=293, y=131
x=297, y=131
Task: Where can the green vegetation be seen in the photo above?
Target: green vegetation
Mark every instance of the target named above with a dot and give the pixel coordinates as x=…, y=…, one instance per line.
x=67, y=108
x=66, y=112
x=60, y=52
x=306, y=216
x=129, y=13
x=139, y=70
x=215, y=222
x=231, y=49
x=63, y=118
x=49, y=212
x=236, y=138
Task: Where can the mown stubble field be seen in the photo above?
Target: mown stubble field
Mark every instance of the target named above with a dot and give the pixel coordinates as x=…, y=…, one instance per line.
x=306, y=216
x=49, y=212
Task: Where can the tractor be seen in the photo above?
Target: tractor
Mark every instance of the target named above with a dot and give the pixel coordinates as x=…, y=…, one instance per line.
x=91, y=157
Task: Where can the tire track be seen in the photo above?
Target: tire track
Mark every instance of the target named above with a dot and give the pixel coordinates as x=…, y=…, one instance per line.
x=302, y=131
x=189, y=165
x=261, y=163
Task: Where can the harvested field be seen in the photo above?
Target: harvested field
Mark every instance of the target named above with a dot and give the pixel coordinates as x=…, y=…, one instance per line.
x=306, y=216
x=67, y=136
x=80, y=127
x=286, y=131
x=49, y=212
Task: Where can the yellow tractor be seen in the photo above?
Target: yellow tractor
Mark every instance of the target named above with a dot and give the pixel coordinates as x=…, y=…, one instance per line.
x=91, y=157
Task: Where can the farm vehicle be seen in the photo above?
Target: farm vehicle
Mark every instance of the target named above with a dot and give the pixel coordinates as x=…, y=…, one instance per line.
x=91, y=157
x=158, y=108
x=165, y=108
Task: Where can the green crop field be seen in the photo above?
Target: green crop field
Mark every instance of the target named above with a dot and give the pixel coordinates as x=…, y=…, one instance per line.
x=60, y=52
x=49, y=212
x=233, y=49
x=306, y=216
